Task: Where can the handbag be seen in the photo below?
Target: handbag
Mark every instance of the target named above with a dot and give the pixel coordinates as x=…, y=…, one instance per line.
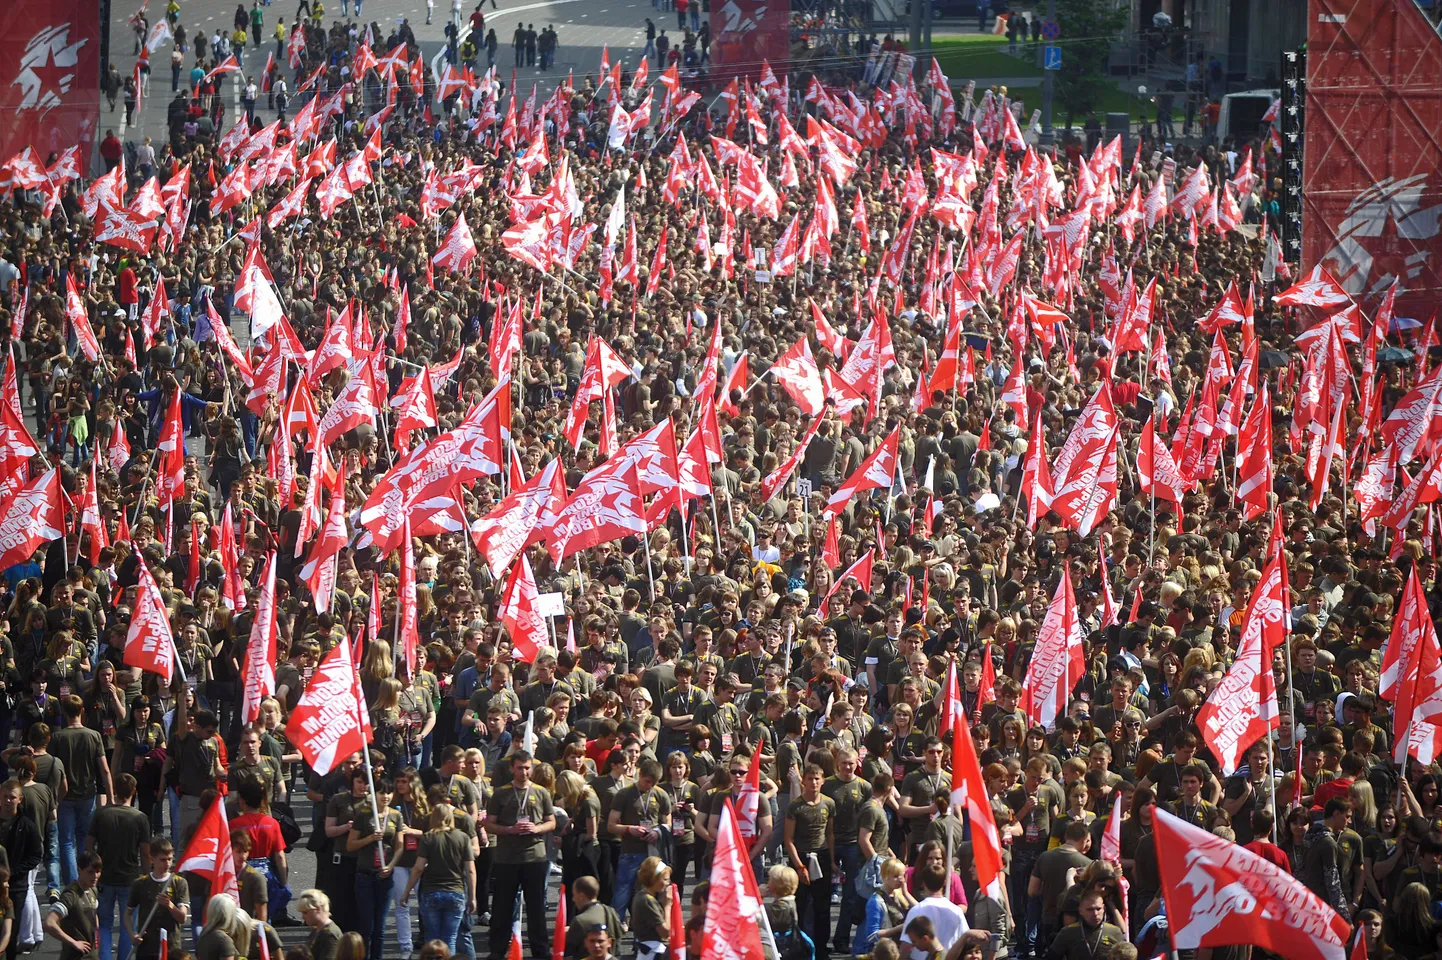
x=290, y=830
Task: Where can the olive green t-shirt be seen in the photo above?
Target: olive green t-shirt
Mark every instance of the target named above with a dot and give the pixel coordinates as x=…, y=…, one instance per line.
x=648, y=916
x=509, y=806
x=649, y=809
x=811, y=818
x=1036, y=825
x=143, y=894
x=118, y=831
x=873, y=817
x=364, y=824
x=252, y=889
x=214, y=945
x=80, y=749
x=850, y=796
x=77, y=911
x=446, y=853
x=606, y=787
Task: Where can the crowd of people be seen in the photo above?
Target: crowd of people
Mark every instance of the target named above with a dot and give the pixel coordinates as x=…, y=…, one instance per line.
x=880, y=425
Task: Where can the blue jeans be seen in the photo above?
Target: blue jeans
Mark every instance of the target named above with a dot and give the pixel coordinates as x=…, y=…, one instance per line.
x=110, y=898
x=74, y=828
x=1023, y=916
x=441, y=913
x=372, y=904
x=853, y=908
x=626, y=870
x=52, y=855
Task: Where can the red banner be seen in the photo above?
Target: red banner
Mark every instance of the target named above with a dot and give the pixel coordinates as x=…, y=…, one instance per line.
x=1372, y=189
x=49, y=76
x=745, y=32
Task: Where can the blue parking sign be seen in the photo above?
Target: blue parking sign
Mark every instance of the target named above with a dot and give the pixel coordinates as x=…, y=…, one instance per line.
x=1051, y=58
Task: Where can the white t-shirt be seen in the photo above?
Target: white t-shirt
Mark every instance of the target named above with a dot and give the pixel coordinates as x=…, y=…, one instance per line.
x=947, y=918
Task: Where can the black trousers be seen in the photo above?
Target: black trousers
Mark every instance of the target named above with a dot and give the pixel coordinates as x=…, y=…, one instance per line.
x=813, y=904
x=529, y=879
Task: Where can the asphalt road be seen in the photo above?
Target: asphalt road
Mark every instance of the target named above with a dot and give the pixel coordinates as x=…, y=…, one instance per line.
x=585, y=27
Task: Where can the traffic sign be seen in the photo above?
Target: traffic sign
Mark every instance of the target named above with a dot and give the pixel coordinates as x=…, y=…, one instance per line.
x=1051, y=58
x=1050, y=30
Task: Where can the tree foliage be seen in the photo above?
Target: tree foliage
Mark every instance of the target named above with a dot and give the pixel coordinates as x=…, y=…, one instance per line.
x=1088, y=28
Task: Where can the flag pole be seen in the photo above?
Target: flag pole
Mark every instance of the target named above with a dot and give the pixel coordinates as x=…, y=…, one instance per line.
x=650, y=574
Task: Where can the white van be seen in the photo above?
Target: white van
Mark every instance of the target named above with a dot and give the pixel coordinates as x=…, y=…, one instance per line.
x=1241, y=115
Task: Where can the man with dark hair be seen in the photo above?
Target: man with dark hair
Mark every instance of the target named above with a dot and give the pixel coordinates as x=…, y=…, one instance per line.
x=87, y=774
x=590, y=912
x=197, y=758
x=72, y=919
x=521, y=814
x=947, y=919
x=1091, y=936
x=1322, y=857
x=637, y=815
x=1055, y=873
x=120, y=834
x=24, y=850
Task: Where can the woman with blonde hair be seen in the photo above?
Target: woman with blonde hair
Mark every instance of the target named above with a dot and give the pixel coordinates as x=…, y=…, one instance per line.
x=376, y=665
x=445, y=869
x=314, y=907
x=651, y=909
x=1364, y=807
x=225, y=935
x=885, y=909
x=581, y=851
x=387, y=724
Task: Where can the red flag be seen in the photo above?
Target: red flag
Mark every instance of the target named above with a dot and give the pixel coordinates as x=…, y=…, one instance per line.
x=968, y=792
x=1157, y=471
x=1057, y=660
x=1242, y=709
x=90, y=519
x=319, y=572
x=524, y=625
x=209, y=854
x=1036, y=474
x=329, y=722
x=260, y=652
x=1110, y=614
x=797, y=372
x=149, y=643
x=354, y=406
x=733, y=919
x=678, y=922
x=192, y=576
x=875, y=472
x=35, y=515
x=558, y=938
x=1218, y=894
x=408, y=636
x=748, y=801
x=171, y=446
x=606, y=506
x=831, y=550
x=458, y=250
x=501, y=534
x=860, y=571
x=1410, y=671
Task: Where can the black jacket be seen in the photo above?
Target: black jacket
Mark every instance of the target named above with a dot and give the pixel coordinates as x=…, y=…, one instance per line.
x=23, y=846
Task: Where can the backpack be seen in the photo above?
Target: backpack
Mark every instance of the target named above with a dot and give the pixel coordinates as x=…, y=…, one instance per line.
x=794, y=944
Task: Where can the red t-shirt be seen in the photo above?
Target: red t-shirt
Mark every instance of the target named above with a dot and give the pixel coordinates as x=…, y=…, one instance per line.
x=265, y=838
x=1332, y=789
x=128, y=292
x=1271, y=852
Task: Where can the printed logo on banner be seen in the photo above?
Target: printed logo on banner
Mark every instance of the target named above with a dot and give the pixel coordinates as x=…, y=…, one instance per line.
x=47, y=68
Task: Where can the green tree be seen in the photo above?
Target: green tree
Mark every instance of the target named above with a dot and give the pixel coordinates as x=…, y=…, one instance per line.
x=1088, y=28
